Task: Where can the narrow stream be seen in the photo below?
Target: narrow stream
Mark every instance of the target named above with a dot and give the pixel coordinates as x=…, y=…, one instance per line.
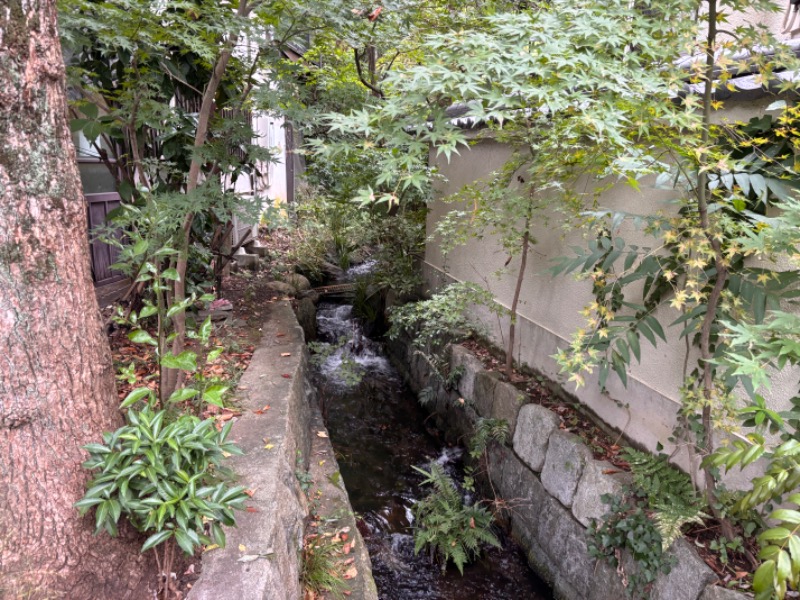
x=378, y=432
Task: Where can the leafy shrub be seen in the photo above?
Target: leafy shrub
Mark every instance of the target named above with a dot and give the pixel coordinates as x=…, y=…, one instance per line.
x=448, y=527
x=163, y=478
x=440, y=320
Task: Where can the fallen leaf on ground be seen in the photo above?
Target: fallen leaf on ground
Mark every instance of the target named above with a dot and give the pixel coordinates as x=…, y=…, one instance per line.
x=249, y=558
x=261, y=411
x=286, y=376
x=210, y=547
x=280, y=334
x=351, y=573
x=242, y=548
x=346, y=548
x=322, y=434
x=251, y=509
x=284, y=354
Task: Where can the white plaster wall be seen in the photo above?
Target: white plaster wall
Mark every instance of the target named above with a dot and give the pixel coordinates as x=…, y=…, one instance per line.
x=549, y=307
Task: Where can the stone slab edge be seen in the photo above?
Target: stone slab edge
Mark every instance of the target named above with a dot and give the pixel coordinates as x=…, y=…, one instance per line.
x=272, y=526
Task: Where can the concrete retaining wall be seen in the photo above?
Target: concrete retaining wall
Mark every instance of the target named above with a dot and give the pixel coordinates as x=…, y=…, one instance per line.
x=552, y=484
x=550, y=308
x=261, y=560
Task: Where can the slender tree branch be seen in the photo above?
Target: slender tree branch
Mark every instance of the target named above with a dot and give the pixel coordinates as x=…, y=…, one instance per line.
x=377, y=91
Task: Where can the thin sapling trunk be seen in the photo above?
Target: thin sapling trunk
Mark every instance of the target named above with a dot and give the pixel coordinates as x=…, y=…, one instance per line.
x=512, y=328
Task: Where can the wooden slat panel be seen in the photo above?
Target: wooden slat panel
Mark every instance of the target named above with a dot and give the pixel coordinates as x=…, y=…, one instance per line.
x=103, y=255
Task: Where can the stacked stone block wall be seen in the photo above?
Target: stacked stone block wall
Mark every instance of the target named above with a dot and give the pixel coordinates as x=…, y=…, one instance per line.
x=551, y=483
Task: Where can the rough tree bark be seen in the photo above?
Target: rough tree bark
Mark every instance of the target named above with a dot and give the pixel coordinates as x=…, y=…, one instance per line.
x=56, y=378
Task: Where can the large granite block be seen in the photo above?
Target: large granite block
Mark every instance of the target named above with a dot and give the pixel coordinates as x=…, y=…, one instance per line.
x=485, y=384
x=687, y=579
x=599, y=478
x=534, y=425
x=563, y=466
x=506, y=405
x=461, y=358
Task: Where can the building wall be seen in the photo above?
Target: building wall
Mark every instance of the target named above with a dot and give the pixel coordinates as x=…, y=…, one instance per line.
x=549, y=306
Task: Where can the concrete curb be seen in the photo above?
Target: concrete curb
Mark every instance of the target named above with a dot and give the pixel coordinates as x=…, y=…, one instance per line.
x=272, y=526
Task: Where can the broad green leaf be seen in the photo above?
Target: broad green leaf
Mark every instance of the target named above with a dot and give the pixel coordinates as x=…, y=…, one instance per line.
x=171, y=274
x=787, y=516
x=148, y=311
x=762, y=580
x=135, y=395
x=205, y=330
x=140, y=336
x=156, y=539
x=92, y=130
x=185, y=361
x=213, y=395
x=140, y=247
x=182, y=394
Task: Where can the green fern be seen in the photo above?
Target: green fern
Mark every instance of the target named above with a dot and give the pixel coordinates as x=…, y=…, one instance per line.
x=669, y=493
x=487, y=430
x=659, y=481
x=670, y=520
x=446, y=526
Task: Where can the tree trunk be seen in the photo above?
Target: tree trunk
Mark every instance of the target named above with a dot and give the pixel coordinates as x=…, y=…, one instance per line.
x=512, y=326
x=56, y=376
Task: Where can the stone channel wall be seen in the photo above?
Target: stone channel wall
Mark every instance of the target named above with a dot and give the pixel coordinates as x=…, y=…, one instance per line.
x=261, y=560
x=272, y=441
x=552, y=484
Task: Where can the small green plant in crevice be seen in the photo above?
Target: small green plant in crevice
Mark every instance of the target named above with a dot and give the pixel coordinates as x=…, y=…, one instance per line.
x=448, y=380
x=302, y=474
x=449, y=529
x=426, y=396
x=645, y=519
x=628, y=526
x=486, y=431
x=724, y=546
x=320, y=568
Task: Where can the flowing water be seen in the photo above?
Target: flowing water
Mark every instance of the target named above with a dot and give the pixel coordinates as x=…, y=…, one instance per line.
x=378, y=431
